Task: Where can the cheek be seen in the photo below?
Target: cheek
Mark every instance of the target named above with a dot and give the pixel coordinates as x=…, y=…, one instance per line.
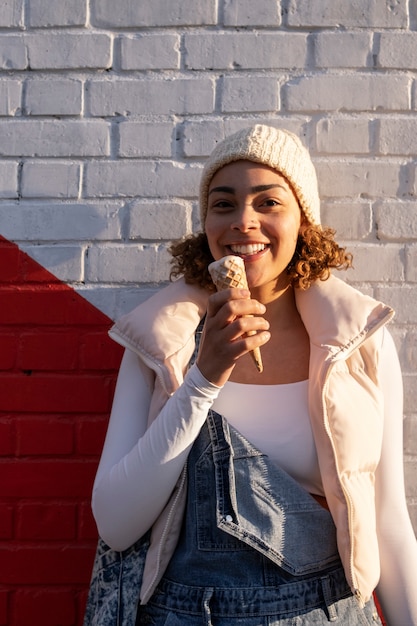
x=212, y=231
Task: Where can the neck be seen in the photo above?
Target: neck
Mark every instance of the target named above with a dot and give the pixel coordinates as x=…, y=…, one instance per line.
x=281, y=310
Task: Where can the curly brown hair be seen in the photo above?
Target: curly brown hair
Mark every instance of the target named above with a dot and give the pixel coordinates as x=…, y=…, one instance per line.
x=316, y=254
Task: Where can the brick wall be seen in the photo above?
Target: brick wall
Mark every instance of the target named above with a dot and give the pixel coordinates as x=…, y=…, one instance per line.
x=57, y=374
x=107, y=111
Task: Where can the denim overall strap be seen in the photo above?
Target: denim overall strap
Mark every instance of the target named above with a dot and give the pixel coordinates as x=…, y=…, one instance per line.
x=261, y=505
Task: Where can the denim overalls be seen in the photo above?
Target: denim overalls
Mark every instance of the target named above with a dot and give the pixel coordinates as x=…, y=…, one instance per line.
x=255, y=550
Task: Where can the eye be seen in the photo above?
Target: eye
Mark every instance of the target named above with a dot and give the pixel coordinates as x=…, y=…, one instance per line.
x=269, y=204
x=221, y=205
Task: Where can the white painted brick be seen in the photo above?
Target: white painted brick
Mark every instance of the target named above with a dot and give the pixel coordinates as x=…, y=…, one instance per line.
x=54, y=138
x=352, y=221
x=131, y=13
x=403, y=299
x=199, y=138
x=412, y=510
x=343, y=136
x=11, y=13
x=396, y=221
x=292, y=123
x=397, y=50
x=50, y=179
x=159, y=221
x=397, y=135
x=350, y=92
x=249, y=94
x=399, y=334
x=410, y=403
x=114, y=300
x=414, y=174
x=129, y=297
x=8, y=183
x=134, y=263
x=375, y=262
x=13, y=53
x=248, y=13
x=61, y=222
x=358, y=178
x=52, y=13
x=67, y=262
x=54, y=96
x=10, y=96
x=103, y=297
x=245, y=50
x=410, y=435
x=146, y=179
x=356, y=13
x=148, y=52
x=151, y=97
x=146, y=139
x=411, y=263
x=343, y=49
x=69, y=51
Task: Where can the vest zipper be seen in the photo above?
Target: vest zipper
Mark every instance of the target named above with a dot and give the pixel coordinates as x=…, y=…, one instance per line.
x=154, y=581
x=348, y=499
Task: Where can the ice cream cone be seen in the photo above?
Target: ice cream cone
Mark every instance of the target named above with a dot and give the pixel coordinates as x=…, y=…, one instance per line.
x=230, y=272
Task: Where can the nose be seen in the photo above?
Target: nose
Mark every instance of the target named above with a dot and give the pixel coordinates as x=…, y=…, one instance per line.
x=245, y=219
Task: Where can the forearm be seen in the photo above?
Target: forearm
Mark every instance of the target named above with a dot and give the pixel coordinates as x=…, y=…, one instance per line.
x=397, y=543
x=397, y=587
x=129, y=496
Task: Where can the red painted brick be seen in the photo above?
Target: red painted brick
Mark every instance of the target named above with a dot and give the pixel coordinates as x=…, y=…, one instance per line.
x=46, y=564
x=6, y=521
x=44, y=436
x=46, y=607
x=82, y=601
x=99, y=352
x=91, y=435
x=60, y=393
x=34, y=274
x=87, y=528
x=8, y=351
x=4, y=601
x=17, y=267
x=7, y=436
x=52, y=304
x=48, y=350
x=10, y=262
x=51, y=521
x=47, y=479
x=58, y=370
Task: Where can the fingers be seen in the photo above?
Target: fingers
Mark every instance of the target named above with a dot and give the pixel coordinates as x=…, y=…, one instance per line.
x=234, y=326
x=230, y=304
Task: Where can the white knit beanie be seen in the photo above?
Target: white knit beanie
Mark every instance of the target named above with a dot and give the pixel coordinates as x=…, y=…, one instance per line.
x=279, y=149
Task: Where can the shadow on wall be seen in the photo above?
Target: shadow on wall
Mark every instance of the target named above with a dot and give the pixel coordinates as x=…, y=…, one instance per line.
x=58, y=369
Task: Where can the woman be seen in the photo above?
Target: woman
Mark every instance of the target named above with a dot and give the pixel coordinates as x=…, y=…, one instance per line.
x=276, y=497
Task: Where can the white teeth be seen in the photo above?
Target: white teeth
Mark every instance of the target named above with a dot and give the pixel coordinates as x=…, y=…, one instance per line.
x=251, y=248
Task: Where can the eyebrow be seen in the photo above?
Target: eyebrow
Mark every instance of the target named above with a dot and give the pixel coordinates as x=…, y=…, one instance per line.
x=256, y=189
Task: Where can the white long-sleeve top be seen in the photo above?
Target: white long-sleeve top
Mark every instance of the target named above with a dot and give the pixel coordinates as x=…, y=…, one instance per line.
x=139, y=468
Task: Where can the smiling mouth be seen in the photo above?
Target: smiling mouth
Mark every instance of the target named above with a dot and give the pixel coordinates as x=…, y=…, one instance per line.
x=247, y=249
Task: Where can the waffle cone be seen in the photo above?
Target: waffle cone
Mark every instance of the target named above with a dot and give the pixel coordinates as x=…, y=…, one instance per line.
x=230, y=272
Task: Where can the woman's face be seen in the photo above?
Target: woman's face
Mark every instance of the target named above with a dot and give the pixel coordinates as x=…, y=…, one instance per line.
x=253, y=213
